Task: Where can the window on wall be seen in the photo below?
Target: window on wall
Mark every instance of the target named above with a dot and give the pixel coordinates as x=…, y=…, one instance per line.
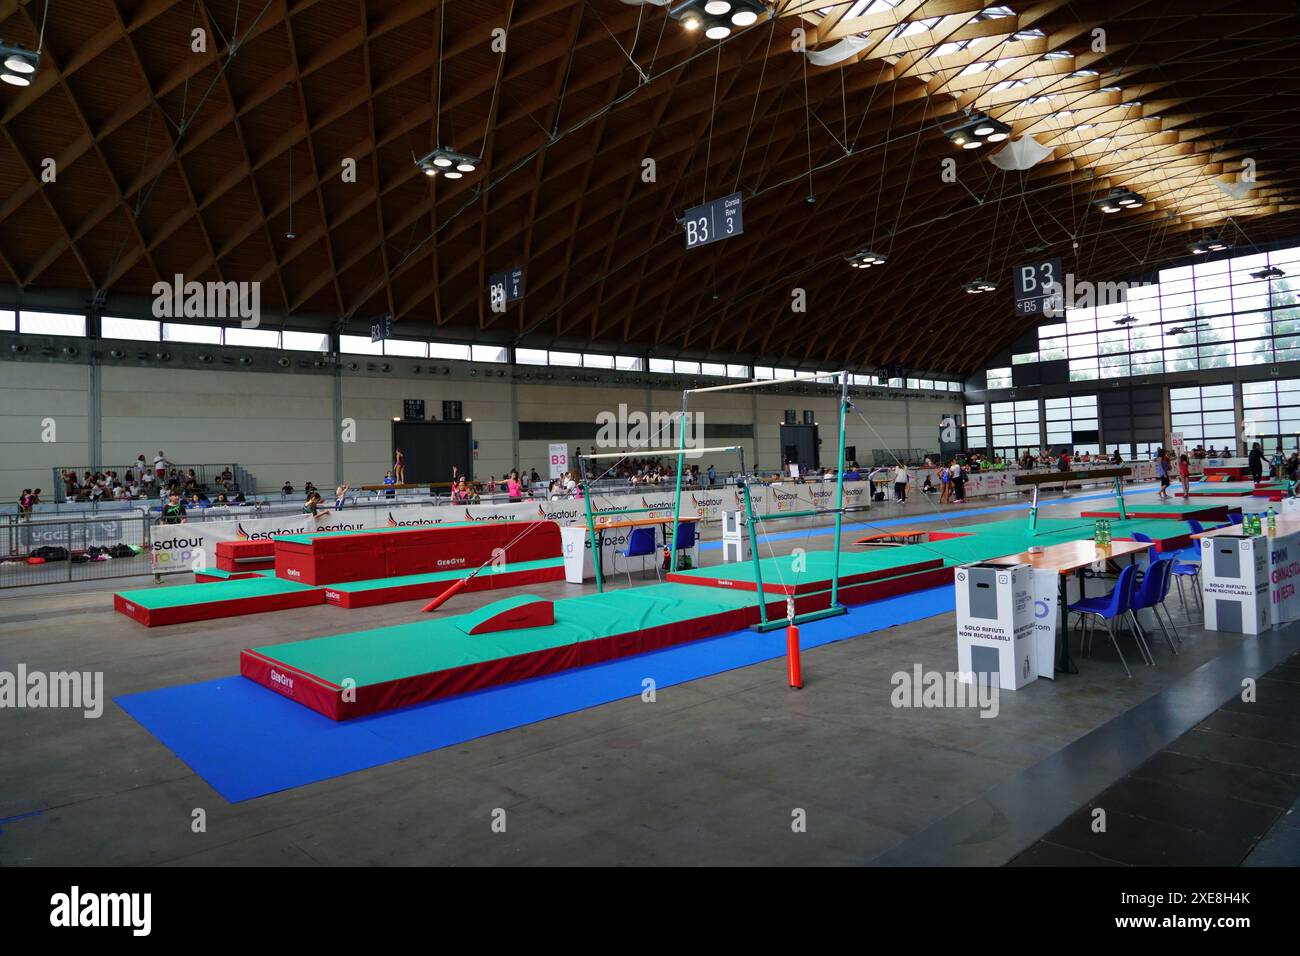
x=1271, y=413
x=8, y=321
x=442, y=350
x=1014, y=427
x=51, y=323
x=999, y=378
x=360, y=345
x=1071, y=422
x=1199, y=316
x=252, y=338
x=185, y=332
x=1204, y=414
x=977, y=430
x=305, y=341
x=136, y=330
x=406, y=348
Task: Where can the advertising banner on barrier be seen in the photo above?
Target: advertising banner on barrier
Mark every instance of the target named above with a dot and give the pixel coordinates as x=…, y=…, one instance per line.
x=1047, y=614
x=1284, y=578
x=179, y=547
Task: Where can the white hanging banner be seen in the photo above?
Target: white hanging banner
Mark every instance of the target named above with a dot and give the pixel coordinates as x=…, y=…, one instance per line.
x=837, y=53
x=559, y=458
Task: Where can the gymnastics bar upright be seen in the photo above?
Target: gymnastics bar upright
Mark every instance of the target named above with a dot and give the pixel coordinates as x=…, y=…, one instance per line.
x=835, y=607
x=588, y=492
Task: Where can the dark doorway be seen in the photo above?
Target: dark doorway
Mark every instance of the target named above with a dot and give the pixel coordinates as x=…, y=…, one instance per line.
x=801, y=447
x=432, y=448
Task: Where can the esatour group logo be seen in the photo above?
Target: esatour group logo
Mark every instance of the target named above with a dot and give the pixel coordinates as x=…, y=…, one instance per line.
x=179, y=299
x=187, y=548
x=558, y=514
x=706, y=505
x=243, y=535
x=663, y=506
x=411, y=522
x=785, y=500
x=489, y=517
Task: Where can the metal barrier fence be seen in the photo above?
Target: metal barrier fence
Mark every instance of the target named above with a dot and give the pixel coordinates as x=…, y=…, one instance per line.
x=83, y=549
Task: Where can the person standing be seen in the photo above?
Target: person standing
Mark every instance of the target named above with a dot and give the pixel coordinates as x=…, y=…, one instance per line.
x=399, y=466
x=958, y=479
x=1256, y=461
x=901, y=478
x=945, y=485
x=174, y=511
x=160, y=464
x=1185, y=475
x=514, y=489
x=340, y=495
x=1162, y=470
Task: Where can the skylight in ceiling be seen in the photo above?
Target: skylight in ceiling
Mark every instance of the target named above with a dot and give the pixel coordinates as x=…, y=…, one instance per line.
x=912, y=28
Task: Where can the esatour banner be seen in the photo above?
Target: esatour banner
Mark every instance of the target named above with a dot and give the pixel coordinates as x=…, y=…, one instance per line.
x=179, y=547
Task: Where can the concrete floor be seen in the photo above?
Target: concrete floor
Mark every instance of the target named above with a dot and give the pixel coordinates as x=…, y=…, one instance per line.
x=711, y=773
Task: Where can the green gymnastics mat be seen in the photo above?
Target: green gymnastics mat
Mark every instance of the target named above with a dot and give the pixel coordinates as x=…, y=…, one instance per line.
x=348, y=675
x=199, y=602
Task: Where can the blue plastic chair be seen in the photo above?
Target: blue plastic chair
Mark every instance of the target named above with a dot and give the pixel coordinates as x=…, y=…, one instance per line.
x=1151, y=593
x=640, y=544
x=1111, y=608
x=687, y=533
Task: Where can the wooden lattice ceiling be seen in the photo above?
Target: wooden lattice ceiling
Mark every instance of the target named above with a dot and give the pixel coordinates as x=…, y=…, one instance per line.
x=171, y=161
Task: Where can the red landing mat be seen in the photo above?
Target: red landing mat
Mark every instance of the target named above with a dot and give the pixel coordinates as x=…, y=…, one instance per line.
x=1226, y=472
x=737, y=579
x=245, y=555
x=1183, y=513
x=410, y=590
x=336, y=558
x=185, y=603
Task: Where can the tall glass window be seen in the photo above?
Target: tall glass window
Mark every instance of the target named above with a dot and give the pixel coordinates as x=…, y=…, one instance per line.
x=1199, y=316
x=1204, y=414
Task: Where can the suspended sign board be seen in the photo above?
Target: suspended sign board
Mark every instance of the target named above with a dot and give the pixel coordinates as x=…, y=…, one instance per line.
x=720, y=219
x=1031, y=281
x=381, y=328
x=505, y=287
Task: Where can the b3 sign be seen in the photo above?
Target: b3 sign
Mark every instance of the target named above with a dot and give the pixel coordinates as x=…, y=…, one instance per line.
x=720, y=219
x=1034, y=283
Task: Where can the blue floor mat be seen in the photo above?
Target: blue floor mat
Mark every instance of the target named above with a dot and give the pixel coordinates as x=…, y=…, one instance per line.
x=247, y=741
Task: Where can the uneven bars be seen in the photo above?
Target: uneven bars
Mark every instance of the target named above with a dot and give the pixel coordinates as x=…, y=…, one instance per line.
x=656, y=452
x=760, y=382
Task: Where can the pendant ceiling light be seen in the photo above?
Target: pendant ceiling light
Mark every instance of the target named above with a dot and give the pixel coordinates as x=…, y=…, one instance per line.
x=718, y=18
